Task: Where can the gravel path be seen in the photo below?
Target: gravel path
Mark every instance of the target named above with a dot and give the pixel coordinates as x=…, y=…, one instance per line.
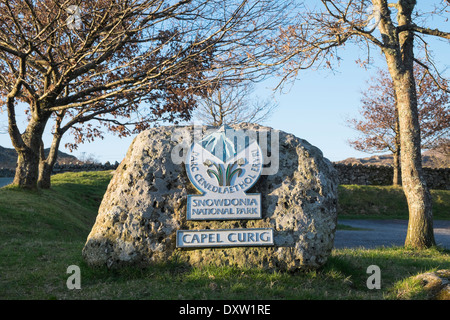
x=384, y=233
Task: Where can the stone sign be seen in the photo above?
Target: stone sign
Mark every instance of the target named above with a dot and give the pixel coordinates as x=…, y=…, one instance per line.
x=270, y=202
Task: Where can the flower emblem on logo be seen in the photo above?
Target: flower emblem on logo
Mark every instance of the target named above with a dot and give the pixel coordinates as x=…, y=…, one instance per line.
x=218, y=171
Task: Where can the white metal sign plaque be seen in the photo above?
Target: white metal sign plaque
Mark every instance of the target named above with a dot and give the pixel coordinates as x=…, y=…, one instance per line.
x=222, y=166
x=224, y=238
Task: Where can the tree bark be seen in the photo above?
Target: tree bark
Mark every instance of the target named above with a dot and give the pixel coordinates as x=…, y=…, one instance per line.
x=27, y=170
x=397, y=178
x=398, y=49
x=45, y=173
x=46, y=164
x=26, y=175
x=420, y=226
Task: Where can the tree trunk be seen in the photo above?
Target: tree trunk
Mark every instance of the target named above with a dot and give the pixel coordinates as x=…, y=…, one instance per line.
x=26, y=175
x=45, y=173
x=397, y=178
x=398, y=49
x=46, y=164
x=27, y=170
x=420, y=226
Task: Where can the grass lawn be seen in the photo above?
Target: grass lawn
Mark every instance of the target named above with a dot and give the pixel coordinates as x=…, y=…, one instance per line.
x=385, y=202
x=43, y=232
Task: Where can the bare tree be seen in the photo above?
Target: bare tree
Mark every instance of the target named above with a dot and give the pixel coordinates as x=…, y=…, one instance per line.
x=396, y=29
x=379, y=125
x=122, y=64
x=233, y=103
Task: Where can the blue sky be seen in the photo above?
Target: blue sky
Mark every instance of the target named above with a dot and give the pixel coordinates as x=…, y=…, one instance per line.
x=313, y=108
x=317, y=104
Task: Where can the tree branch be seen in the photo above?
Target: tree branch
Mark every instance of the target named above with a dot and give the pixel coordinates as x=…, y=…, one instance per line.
x=13, y=130
x=438, y=84
x=428, y=31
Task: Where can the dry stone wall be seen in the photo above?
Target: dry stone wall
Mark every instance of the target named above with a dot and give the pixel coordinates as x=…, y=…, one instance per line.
x=347, y=173
x=383, y=175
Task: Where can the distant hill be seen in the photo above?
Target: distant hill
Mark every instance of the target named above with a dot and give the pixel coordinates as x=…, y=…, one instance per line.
x=8, y=158
x=431, y=159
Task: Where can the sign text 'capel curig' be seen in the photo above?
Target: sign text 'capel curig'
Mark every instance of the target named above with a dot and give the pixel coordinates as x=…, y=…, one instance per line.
x=223, y=166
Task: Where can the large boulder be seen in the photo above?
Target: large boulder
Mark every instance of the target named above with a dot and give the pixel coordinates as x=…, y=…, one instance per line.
x=145, y=205
x=436, y=284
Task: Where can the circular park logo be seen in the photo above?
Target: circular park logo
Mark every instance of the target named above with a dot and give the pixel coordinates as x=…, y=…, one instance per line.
x=222, y=166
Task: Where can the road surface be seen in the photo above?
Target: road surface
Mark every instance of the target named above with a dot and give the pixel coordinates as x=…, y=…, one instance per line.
x=384, y=233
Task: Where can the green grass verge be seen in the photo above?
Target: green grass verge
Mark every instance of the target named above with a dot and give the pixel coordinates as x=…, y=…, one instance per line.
x=43, y=232
x=385, y=202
